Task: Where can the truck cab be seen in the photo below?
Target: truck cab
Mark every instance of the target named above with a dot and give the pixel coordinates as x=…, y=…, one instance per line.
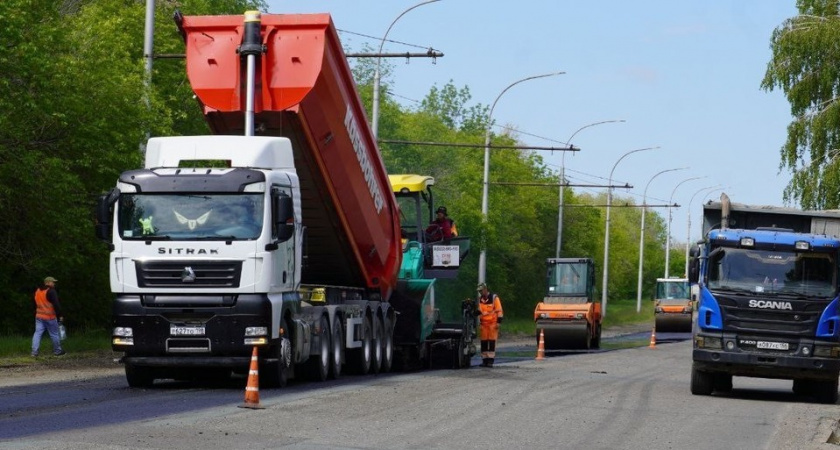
x=768, y=300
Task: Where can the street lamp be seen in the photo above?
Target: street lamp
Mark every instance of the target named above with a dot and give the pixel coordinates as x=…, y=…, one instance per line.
x=707, y=190
x=606, y=272
x=482, y=257
x=374, y=126
x=668, y=236
x=563, y=182
x=642, y=237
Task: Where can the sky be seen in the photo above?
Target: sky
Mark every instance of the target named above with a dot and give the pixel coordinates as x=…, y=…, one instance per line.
x=684, y=76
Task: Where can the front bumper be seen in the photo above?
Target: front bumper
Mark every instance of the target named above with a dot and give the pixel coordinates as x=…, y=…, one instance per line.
x=763, y=364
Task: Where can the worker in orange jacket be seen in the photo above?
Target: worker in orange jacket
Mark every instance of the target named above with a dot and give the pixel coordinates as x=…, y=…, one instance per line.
x=47, y=316
x=490, y=316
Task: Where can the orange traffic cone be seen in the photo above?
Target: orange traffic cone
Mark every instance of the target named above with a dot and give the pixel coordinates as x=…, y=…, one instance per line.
x=653, y=338
x=541, y=347
x=252, y=390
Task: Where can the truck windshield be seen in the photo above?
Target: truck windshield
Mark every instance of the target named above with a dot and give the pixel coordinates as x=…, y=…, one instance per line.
x=191, y=216
x=765, y=271
x=567, y=279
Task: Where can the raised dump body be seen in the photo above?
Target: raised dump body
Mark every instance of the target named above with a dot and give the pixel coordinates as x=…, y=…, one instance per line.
x=304, y=91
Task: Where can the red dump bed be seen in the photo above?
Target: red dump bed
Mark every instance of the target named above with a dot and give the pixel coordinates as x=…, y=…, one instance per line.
x=305, y=92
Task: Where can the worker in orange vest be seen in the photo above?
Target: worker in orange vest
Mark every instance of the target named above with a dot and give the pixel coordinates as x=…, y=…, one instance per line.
x=47, y=316
x=490, y=316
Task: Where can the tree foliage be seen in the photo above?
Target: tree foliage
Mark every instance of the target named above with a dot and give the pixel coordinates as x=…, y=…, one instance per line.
x=805, y=65
x=73, y=114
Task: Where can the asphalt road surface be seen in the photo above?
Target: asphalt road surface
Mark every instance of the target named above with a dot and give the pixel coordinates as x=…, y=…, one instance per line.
x=627, y=398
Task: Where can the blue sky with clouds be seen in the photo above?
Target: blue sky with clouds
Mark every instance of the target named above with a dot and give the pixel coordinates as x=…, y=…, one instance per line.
x=683, y=75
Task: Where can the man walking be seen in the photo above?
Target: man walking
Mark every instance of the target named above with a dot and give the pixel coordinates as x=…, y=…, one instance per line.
x=491, y=315
x=47, y=316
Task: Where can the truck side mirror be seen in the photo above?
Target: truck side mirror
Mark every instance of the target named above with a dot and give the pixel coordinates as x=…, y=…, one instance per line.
x=105, y=214
x=283, y=216
x=694, y=265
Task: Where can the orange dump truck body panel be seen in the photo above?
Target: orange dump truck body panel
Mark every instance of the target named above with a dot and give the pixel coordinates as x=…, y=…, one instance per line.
x=304, y=91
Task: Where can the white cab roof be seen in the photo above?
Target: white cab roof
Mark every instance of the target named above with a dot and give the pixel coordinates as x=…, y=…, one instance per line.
x=264, y=152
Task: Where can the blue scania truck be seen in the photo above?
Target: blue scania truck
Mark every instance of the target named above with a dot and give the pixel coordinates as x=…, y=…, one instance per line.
x=768, y=298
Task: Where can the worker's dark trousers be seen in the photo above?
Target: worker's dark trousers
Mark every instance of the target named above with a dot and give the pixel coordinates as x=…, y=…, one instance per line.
x=488, y=353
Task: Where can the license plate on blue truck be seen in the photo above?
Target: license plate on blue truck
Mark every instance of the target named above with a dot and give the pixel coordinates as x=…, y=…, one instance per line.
x=772, y=345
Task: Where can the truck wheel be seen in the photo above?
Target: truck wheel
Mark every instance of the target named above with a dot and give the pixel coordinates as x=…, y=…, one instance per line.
x=319, y=365
x=336, y=349
x=722, y=382
x=277, y=374
x=701, y=382
x=388, y=346
x=360, y=358
x=376, y=346
x=139, y=376
x=826, y=391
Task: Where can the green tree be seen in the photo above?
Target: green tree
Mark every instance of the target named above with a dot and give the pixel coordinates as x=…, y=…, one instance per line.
x=805, y=65
x=73, y=118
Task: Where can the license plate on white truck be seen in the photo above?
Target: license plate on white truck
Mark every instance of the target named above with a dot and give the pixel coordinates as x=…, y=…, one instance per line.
x=186, y=331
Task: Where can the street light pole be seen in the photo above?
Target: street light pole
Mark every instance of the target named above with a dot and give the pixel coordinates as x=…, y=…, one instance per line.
x=482, y=257
x=563, y=183
x=707, y=190
x=374, y=126
x=606, y=272
x=668, y=236
x=642, y=238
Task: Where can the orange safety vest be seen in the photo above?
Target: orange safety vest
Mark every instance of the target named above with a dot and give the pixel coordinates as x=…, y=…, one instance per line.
x=44, y=310
x=491, y=305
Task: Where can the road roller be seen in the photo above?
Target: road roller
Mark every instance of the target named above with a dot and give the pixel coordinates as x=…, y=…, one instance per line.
x=672, y=305
x=567, y=316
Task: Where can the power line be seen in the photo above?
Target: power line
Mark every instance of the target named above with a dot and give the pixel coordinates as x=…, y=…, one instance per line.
x=386, y=40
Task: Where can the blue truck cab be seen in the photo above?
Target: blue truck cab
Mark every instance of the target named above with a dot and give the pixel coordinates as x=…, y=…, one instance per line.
x=768, y=300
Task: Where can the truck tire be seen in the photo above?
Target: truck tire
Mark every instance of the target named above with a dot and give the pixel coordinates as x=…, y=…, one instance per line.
x=361, y=358
x=139, y=376
x=388, y=346
x=336, y=348
x=826, y=391
x=722, y=382
x=277, y=374
x=376, y=346
x=701, y=382
x=318, y=366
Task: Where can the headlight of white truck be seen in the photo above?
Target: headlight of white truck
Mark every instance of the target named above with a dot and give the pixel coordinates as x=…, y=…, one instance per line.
x=256, y=331
x=123, y=336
